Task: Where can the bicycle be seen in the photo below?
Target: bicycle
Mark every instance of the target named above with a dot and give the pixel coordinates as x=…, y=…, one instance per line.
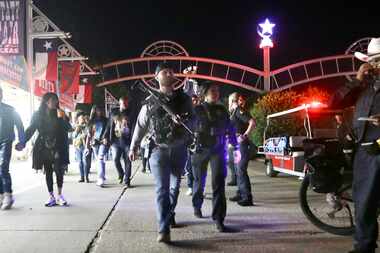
x=327, y=201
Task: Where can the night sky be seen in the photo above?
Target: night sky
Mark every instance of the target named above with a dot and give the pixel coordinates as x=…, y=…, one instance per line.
x=106, y=31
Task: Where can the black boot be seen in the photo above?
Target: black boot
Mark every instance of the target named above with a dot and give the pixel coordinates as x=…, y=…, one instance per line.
x=121, y=179
x=198, y=213
x=232, y=183
x=220, y=226
x=235, y=198
x=245, y=202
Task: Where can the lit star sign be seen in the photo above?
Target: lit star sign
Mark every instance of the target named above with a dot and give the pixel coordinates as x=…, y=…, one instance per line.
x=265, y=30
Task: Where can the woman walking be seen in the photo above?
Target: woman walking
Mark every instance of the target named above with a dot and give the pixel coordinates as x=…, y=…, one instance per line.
x=49, y=151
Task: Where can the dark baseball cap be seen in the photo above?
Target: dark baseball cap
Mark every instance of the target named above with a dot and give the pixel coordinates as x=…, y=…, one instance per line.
x=161, y=66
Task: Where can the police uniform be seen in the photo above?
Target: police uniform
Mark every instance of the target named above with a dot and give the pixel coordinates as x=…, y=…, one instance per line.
x=241, y=120
x=212, y=125
x=366, y=182
x=169, y=151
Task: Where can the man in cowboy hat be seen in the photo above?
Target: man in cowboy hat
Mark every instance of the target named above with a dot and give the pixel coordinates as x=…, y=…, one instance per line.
x=365, y=93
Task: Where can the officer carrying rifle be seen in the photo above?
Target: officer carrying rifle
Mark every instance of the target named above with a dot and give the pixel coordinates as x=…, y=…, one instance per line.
x=165, y=117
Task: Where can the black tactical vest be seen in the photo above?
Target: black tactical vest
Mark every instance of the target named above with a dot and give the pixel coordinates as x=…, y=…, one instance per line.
x=165, y=131
x=211, y=125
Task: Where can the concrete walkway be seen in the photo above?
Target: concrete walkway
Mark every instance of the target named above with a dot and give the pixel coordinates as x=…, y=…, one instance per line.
x=114, y=219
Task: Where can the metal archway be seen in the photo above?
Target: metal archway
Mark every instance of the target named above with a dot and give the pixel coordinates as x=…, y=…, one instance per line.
x=228, y=72
x=208, y=69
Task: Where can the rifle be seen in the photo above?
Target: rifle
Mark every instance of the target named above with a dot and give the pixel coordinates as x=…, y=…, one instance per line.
x=161, y=101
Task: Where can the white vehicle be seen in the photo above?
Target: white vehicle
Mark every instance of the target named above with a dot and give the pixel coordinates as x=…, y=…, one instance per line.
x=285, y=153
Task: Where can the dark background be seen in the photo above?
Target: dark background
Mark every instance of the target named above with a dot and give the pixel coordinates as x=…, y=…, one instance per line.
x=110, y=30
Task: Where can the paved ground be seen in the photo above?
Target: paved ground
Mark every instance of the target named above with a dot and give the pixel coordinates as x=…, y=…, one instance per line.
x=113, y=219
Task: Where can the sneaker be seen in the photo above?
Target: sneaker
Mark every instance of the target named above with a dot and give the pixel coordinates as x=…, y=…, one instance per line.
x=198, y=213
x=50, y=202
x=189, y=192
x=100, y=182
x=163, y=237
x=121, y=179
x=61, y=201
x=7, y=201
x=235, y=198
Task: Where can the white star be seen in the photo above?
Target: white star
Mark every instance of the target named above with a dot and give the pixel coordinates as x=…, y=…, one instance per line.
x=267, y=27
x=84, y=80
x=48, y=45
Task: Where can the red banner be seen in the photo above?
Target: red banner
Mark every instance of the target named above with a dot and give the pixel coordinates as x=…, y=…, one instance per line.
x=70, y=78
x=43, y=86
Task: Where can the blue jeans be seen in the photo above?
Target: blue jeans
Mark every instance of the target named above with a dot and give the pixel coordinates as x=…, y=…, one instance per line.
x=118, y=152
x=5, y=177
x=231, y=165
x=216, y=158
x=189, y=171
x=84, y=161
x=243, y=181
x=100, y=152
x=167, y=165
x=366, y=193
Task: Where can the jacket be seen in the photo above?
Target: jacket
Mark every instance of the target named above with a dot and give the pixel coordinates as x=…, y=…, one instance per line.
x=9, y=118
x=52, y=140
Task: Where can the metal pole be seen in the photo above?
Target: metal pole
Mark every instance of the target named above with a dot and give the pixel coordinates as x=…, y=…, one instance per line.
x=266, y=56
x=29, y=55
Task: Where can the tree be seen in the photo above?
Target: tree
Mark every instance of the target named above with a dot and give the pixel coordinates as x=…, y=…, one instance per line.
x=313, y=94
x=279, y=101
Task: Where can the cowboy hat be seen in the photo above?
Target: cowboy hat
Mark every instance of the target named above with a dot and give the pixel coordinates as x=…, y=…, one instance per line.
x=373, y=51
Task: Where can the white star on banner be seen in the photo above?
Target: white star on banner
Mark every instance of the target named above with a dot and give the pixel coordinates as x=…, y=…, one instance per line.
x=48, y=45
x=85, y=80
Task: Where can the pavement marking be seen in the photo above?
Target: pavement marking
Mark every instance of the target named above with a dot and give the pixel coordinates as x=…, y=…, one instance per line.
x=92, y=245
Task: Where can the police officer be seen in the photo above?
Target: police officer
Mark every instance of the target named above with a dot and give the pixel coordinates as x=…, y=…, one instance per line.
x=168, y=156
x=244, y=124
x=118, y=135
x=365, y=92
x=232, y=106
x=188, y=168
x=212, y=125
x=9, y=118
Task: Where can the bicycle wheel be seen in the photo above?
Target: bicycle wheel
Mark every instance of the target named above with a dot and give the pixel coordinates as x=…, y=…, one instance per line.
x=332, y=213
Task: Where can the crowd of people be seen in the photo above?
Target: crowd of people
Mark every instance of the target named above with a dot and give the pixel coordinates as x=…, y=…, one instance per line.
x=166, y=148
x=184, y=137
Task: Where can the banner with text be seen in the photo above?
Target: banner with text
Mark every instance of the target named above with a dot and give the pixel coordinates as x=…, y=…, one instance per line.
x=12, y=27
x=14, y=71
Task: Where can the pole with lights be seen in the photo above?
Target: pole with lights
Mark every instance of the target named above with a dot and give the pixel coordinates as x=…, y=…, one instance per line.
x=265, y=30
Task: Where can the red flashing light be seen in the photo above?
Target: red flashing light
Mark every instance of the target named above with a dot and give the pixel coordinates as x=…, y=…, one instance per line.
x=317, y=104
